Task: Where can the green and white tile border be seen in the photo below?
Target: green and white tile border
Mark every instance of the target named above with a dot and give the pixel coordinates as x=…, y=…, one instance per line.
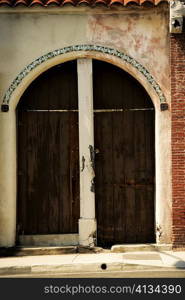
x=101, y=49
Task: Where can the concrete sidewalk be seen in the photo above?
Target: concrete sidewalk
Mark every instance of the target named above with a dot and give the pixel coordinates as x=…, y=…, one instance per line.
x=95, y=262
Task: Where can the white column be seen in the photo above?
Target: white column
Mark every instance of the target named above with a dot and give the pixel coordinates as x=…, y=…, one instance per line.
x=7, y=179
x=87, y=221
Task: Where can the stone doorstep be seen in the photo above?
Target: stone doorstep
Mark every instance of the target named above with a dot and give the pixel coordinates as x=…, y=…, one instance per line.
x=29, y=251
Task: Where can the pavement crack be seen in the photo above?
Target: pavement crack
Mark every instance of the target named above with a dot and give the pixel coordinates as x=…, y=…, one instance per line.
x=75, y=257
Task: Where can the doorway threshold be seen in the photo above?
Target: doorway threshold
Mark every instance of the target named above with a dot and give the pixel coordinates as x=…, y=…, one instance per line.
x=48, y=240
x=35, y=251
x=48, y=250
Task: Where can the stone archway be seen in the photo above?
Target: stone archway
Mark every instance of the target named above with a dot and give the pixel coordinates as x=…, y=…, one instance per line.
x=71, y=52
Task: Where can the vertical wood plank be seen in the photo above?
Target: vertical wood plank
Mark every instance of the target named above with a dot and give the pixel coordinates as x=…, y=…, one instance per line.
x=118, y=176
x=53, y=172
x=104, y=188
x=75, y=199
x=22, y=173
x=150, y=166
x=129, y=201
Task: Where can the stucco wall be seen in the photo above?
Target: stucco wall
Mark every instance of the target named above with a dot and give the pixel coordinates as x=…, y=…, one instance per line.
x=140, y=33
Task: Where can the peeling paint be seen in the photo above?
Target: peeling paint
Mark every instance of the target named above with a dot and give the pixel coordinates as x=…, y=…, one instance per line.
x=92, y=239
x=92, y=189
x=92, y=156
x=68, y=49
x=83, y=163
x=142, y=36
x=92, y=160
x=84, y=30
x=158, y=232
x=177, y=12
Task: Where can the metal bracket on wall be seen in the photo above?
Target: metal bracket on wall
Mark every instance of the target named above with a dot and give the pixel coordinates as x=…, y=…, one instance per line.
x=164, y=106
x=177, y=12
x=4, y=107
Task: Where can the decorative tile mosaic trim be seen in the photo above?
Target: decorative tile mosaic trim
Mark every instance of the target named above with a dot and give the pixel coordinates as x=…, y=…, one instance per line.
x=96, y=48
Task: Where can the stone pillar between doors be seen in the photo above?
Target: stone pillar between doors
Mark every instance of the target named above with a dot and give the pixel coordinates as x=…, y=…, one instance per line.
x=87, y=221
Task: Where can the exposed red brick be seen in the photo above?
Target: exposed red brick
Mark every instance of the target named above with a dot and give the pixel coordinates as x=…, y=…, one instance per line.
x=178, y=139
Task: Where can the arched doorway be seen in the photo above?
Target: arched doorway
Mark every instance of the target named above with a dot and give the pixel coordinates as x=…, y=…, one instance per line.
x=125, y=157
x=48, y=159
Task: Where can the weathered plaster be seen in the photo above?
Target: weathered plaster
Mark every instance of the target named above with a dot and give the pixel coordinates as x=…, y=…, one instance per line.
x=142, y=36
x=163, y=195
x=177, y=12
x=163, y=152
x=101, y=49
x=25, y=37
x=86, y=138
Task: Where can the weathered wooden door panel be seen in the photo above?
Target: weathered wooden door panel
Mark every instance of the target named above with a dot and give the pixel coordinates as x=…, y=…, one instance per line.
x=48, y=163
x=125, y=164
x=52, y=90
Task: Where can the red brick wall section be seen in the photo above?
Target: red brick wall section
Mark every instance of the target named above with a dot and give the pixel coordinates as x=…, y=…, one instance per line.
x=178, y=138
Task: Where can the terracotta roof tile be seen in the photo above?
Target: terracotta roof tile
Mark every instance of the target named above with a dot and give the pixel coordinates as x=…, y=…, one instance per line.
x=47, y=3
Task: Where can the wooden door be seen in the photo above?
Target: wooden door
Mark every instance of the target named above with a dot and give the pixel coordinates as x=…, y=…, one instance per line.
x=48, y=164
x=125, y=162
